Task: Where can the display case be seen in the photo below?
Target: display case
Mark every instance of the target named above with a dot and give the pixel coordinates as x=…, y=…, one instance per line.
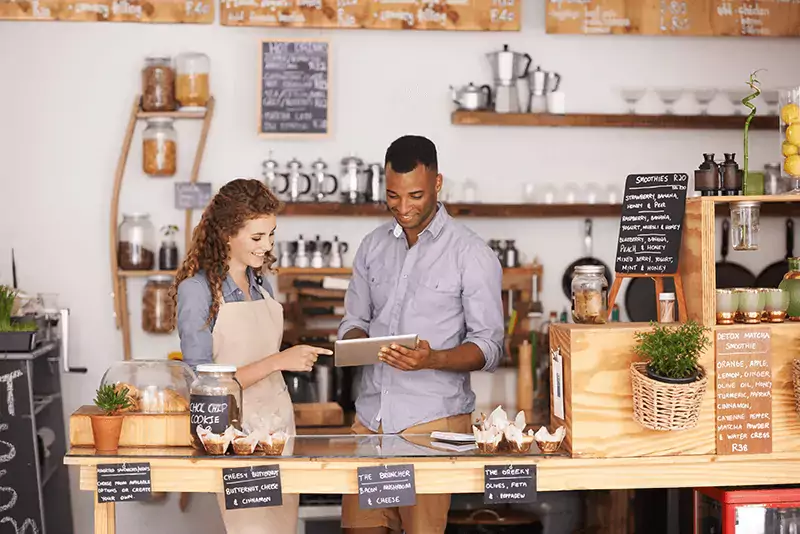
x=747, y=510
x=154, y=386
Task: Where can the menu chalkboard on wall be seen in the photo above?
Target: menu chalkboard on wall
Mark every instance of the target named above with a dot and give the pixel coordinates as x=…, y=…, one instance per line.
x=293, y=88
x=153, y=11
x=650, y=227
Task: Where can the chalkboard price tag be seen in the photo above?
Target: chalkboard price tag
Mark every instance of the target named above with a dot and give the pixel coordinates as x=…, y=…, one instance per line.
x=509, y=484
x=651, y=225
x=252, y=486
x=123, y=482
x=386, y=486
x=189, y=196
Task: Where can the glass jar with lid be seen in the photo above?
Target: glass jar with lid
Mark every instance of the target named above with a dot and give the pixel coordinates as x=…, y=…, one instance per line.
x=137, y=243
x=215, y=401
x=589, y=294
x=158, y=84
x=154, y=386
x=160, y=147
x=745, y=225
x=192, y=87
x=158, y=307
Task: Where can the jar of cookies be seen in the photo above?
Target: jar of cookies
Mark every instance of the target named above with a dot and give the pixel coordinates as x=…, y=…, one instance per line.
x=137, y=243
x=158, y=84
x=160, y=147
x=192, y=87
x=589, y=294
x=215, y=401
x=158, y=307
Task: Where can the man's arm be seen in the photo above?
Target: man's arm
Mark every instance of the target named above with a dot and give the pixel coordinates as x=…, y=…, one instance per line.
x=483, y=310
x=357, y=309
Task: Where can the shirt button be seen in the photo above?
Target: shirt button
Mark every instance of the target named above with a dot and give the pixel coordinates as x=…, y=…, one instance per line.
x=385, y=391
x=405, y=276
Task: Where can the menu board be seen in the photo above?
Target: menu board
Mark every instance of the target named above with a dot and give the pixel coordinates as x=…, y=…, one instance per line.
x=293, y=87
x=386, y=486
x=770, y=18
x=167, y=11
x=252, y=486
x=476, y=15
x=650, y=227
x=744, y=391
x=509, y=484
x=123, y=482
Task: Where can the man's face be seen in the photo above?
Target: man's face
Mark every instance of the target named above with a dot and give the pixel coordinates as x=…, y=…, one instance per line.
x=411, y=197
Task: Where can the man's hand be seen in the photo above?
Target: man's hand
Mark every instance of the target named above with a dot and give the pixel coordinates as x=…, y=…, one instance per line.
x=399, y=357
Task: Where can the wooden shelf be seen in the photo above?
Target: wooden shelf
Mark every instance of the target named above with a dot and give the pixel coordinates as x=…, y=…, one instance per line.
x=140, y=274
x=771, y=205
x=459, y=210
x=144, y=115
x=347, y=271
x=598, y=120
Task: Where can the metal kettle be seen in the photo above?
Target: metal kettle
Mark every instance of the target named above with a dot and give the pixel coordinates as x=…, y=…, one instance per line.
x=294, y=178
x=375, y=189
x=472, y=97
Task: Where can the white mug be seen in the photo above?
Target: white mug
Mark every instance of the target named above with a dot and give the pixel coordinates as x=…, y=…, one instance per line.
x=555, y=103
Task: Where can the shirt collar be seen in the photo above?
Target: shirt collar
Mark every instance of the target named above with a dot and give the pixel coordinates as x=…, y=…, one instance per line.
x=229, y=287
x=435, y=227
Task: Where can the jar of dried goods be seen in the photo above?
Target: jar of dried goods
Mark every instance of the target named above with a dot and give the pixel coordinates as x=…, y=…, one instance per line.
x=136, y=247
x=192, y=85
x=158, y=84
x=158, y=307
x=215, y=401
x=789, y=102
x=589, y=294
x=160, y=147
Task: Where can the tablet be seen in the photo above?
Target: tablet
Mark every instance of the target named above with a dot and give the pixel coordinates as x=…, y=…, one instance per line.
x=364, y=351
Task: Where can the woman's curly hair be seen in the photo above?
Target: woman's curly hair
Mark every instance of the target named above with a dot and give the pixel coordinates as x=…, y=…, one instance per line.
x=237, y=202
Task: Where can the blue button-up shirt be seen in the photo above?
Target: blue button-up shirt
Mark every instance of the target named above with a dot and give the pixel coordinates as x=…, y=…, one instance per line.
x=447, y=289
x=194, y=299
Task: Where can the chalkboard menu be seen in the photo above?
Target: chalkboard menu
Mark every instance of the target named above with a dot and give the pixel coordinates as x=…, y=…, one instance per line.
x=771, y=18
x=211, y=412
x=123, y=482
x=252, y=486
x=744, y=390
x=386, y=486
x=509, y=484
x=294, y=88
x=479, y=15
x=192, y=196
x=20, y=493
x=650, y=227
x=184, y=11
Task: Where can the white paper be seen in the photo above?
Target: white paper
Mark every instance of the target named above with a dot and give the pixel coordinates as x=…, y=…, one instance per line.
x=557, y=383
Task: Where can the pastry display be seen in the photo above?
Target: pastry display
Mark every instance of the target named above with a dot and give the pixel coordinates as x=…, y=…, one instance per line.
x=547, y=442
x=497, y=433
x=272, y=444
x=153, y=399
x=216, y=444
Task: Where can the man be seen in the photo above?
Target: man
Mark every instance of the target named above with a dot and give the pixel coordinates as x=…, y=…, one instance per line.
x=426, y=274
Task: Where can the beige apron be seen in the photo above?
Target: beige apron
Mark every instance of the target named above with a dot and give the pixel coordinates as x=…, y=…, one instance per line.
x=246, y=332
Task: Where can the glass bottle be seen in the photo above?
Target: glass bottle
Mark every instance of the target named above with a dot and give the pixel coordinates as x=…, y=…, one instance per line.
x=158, y=84
x=192, y=87
x=589, y=294
x=791, y=285
x=168, y=252
x=745, y=225
x=160, y=147
x=215, y=401
x=158, y=307
x=136, y=246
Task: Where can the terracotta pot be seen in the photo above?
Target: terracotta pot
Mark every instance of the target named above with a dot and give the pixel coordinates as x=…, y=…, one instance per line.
x=106, y=430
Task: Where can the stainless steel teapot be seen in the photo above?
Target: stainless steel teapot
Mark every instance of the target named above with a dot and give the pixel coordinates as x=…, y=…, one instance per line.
x=472, y=97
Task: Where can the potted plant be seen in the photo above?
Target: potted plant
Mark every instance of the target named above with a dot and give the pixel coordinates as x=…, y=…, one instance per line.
x=15, y=336
x=107, y=426
x=669, y=385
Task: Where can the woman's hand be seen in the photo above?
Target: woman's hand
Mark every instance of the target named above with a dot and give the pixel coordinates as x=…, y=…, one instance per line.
x=300, y=357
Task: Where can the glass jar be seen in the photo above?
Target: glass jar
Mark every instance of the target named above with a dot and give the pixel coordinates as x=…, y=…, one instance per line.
x=215, y=400
x=158, y=84
x=791, y=285
x=192, y=85
x=160, y=147
x=727, y=305
x=168, y=252
x=158, y=307
x=745, y=223
x=154, y=386
x=136, y=247
x=589, y=294
x=789, y=102
x=667, y=302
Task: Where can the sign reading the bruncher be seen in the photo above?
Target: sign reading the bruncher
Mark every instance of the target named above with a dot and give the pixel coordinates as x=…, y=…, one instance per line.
x=744, y=390
x=386, y=486
x=651, y=224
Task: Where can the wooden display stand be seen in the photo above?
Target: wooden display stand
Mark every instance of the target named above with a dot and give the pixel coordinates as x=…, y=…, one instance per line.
x=659, y=282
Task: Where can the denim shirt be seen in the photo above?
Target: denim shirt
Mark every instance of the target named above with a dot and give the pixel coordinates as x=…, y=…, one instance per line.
x=447, y=288
x=194, y=299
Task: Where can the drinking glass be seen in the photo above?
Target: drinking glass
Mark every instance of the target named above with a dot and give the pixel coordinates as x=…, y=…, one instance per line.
x=631, y=97
x=704, y=98
x=669, y=97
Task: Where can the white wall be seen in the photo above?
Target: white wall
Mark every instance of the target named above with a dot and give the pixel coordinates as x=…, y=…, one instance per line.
x=66, y=90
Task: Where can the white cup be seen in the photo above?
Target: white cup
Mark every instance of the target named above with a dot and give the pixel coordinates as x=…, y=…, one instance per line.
x=555, y=103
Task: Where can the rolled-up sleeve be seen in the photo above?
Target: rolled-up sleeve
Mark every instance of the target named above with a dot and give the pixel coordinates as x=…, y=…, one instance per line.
x=193, y=301
x=482, y=283
x=357, y=308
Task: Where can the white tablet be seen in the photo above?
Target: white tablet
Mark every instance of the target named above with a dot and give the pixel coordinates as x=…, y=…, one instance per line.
x=364, y=351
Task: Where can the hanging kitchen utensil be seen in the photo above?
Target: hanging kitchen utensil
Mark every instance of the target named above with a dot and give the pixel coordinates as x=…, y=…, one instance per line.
x=730, y=275
x=588, y=259
x=641, y=298
x=772, y=275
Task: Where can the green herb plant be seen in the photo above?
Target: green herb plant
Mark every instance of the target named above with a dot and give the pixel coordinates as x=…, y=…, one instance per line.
x=672, y=352
x=754, y=85
x=7, y=297
x=169, y=230
x=112, y=401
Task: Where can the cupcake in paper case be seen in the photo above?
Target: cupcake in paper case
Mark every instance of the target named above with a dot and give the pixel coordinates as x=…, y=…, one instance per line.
x=272, y=444
x=488, y=440
x=216, y=444
x=518, y=441
x=547, y=442
x=245, y=445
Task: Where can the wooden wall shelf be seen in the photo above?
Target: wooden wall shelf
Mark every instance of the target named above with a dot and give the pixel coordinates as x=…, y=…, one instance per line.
x=773, y=206
x=600, y=120
x=332, y=209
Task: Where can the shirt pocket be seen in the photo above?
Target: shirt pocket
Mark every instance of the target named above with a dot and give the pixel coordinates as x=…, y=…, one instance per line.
x=438, y=294
x=380, y=291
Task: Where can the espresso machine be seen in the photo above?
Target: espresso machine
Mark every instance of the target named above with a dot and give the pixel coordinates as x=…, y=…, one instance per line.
x=507, y=67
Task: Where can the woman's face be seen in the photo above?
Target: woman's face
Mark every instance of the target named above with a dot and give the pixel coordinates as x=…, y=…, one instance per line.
x=249, y=246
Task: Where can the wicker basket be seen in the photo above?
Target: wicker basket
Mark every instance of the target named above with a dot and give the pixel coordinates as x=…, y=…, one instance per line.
x=796, y=384
x=661, y=406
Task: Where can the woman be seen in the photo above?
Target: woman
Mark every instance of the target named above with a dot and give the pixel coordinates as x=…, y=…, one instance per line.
x=227, y=315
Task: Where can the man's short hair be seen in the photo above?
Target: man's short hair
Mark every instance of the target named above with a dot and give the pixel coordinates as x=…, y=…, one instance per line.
x=406, y=152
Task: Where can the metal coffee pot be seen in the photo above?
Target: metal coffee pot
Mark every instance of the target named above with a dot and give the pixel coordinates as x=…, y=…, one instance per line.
x=542, y=82
x=375, y=189
x=508, y=65
x=276, y=181
x=471, y=97
x=352, y=180
x=323, y=184
x=338, y=248
x=295, y=178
